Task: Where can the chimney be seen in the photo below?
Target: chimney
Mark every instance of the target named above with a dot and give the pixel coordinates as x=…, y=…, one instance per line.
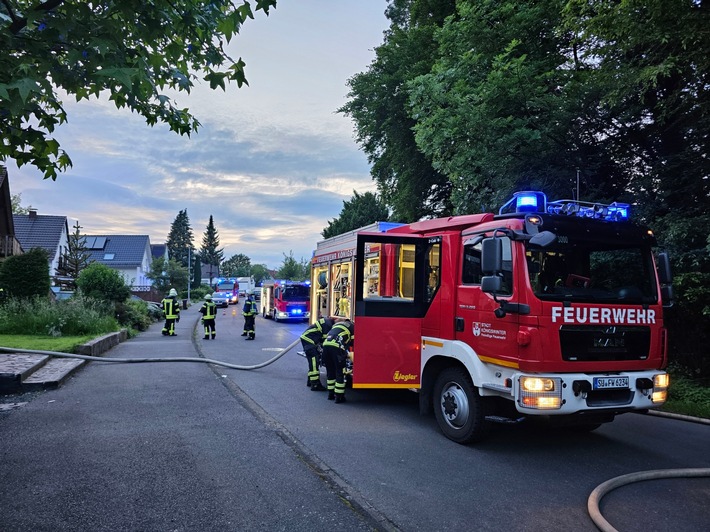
x=33, y=214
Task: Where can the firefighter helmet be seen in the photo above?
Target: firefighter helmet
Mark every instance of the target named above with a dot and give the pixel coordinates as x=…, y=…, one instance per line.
x=173, y=292
x=208, y=297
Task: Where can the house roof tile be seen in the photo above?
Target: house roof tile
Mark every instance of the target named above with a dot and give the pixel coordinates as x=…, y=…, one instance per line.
x=39, y=231
x=117, y=251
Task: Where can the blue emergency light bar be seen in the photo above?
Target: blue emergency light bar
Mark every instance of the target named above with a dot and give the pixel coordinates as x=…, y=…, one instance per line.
x=533, y=201
x=526, y=201
x=614, y=212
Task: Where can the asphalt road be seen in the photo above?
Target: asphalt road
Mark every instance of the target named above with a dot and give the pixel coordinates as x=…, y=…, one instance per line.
x=189, y=446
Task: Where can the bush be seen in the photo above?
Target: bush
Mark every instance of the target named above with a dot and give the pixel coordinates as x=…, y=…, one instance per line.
x=39, y=316
x=101, y=282
x=26, y=275
x=199, y=293
x=134, y=314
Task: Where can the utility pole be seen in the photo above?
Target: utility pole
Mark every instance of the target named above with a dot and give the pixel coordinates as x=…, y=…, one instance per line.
x=189, y=268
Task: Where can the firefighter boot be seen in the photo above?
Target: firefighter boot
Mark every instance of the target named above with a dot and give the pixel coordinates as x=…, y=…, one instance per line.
x=340, y=398
x=244, y=333
x=331, y=395
x=318, y=387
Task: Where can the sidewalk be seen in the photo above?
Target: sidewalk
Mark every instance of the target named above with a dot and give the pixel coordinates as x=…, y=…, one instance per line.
x=161, y=447
x=22, y=372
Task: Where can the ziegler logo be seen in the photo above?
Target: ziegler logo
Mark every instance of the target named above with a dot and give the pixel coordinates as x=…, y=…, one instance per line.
x=402, y=377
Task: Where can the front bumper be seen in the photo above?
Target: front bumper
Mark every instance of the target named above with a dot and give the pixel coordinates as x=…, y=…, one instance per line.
x=563, y=394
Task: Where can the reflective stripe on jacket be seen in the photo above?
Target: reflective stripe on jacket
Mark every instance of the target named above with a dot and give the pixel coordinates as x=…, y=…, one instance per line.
x=209, y=310
x=171, y=307
x=340, y=336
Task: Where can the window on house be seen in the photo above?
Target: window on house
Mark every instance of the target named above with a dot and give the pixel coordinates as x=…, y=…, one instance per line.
x=109, y=256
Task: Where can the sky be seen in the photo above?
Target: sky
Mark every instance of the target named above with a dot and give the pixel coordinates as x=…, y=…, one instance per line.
x=272, y=163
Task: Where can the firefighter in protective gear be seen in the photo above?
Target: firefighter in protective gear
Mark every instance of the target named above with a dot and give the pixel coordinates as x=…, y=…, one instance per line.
x=312, y=342
x=249, y=311
x=171, y=309
x=209, y=313
x=335, y=356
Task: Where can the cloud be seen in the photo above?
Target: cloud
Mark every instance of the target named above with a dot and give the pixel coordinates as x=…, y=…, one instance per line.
x=272, y=162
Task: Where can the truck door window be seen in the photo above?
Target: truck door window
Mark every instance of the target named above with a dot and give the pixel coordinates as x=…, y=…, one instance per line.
x=472, y=273
x=433, y=266
x=398, y=275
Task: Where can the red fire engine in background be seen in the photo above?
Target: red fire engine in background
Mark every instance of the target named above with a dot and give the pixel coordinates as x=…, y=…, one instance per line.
x=285, y=300
x=228, y=286
x=547, y=310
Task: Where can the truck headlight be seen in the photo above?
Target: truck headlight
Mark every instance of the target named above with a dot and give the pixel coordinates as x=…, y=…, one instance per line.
x=660, y=388
x=543, y=393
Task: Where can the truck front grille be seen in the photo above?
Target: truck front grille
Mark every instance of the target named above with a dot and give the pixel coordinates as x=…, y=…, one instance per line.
x=604, y=343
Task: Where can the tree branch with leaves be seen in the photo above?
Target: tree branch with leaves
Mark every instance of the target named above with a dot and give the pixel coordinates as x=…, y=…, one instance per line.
x=129, y=49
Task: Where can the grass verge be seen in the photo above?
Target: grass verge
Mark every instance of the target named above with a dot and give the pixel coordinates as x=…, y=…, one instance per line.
x=63, y=344
x=688, y=397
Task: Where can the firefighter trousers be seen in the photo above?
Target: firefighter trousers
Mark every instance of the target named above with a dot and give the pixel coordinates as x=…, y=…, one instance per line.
x=313, y=358
x=334, y=359
x=210, y=331
x=169, y=327
x=249, y=326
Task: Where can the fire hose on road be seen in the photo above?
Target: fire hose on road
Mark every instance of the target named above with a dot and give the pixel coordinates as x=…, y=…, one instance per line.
x=146, y=360
x=604, y=488
x=592, y=503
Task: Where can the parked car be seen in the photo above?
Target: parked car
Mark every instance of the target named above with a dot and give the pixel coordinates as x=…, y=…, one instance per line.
x=221, y=299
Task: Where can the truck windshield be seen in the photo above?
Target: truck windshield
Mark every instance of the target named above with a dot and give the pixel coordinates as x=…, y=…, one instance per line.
x=296, y=293
x=584, y=269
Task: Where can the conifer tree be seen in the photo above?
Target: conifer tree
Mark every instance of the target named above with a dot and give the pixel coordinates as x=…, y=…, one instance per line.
x=180, y=246
x=75, y=258
x=209, y=252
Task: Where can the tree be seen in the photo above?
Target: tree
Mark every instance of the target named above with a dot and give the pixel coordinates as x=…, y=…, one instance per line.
x=26, y=275
x=167, y=274
x=293, y=270
x=259, y=272
x=180, y=245
x=238, y=265
x=134, y=51
x=209, y=252
x=360, y=210
x=196, y=280
x=75, y=258
x=98, y=281
x=407, y=181
x=16, y=205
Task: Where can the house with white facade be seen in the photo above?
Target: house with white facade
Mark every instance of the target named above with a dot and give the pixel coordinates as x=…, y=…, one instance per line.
x=47, y=232
x=130, y=255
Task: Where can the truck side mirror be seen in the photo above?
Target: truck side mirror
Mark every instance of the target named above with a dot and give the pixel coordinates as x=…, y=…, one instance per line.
x=491, y=284
x=491, y=256
x=664, y=269
x=665, y=277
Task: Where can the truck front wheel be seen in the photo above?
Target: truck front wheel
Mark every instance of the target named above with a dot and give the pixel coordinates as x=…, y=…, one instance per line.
x=459, y=409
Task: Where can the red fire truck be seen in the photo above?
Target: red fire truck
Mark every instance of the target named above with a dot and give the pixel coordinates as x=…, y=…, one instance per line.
x=547, y=310
x=229, y=286
x=285, y=300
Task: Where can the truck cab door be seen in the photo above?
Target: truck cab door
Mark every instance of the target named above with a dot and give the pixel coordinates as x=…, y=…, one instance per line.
x=478, y=318
x=396, y=278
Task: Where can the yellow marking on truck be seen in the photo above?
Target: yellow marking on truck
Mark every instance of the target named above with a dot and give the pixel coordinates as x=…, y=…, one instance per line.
x=432, y=342
x=387, y=385
x=499, y=362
